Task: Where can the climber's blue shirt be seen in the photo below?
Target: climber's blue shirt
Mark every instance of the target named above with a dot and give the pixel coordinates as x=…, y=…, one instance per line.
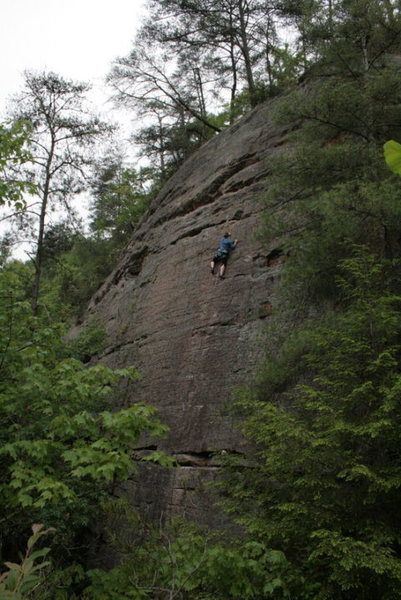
x=226, y=245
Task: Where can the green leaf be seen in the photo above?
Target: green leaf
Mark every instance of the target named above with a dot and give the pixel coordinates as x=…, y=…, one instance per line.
x=392, y=155
x=13, y=566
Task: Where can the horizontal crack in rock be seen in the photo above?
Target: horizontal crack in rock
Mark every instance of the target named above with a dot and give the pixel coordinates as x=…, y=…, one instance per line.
x=210, y=193
x=206, y=459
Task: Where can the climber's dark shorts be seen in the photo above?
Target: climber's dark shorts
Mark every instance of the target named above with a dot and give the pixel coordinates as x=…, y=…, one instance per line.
x=220, y=257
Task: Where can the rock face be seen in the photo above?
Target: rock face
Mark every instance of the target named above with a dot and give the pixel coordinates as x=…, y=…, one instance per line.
x=192, y=336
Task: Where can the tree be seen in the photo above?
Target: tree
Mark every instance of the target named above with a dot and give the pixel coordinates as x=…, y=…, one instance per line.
x=63, y=447
x=144, y=76
x=120, y=196
x=14, y=152
x=228, y=40
x=331, y=188
x=74, y=263
x=62, y=133
x=187, y=59
x=168, y=139
x=165, y=97
x=183, y=560
x=322, y=418
x=326, y=477
x=340, y=36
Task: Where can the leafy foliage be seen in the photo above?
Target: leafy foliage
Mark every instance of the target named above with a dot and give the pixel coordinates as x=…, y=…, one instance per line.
x=184, y=561
x=76, y=264
x=73, y=276
x=326, y=481
x=21, y=579
x=14, y=151
x=62, y=133
x=120, y=196
x=330, y=187
x=323, y=417
x=62, y=450
x=320, y=501
x=392, y=154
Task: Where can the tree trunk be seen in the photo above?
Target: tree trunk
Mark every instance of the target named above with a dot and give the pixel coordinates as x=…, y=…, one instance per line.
x=234, y=71
x=199, y=90
x=161, y=137
x=39, y=249
x=246, y=54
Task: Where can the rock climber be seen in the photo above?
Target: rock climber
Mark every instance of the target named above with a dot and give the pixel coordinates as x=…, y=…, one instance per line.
x=222, y=254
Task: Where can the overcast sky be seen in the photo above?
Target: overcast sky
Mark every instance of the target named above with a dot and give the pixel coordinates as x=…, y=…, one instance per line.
x=77, y=39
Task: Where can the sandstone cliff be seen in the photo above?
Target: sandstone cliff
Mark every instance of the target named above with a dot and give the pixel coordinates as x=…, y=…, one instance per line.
x=194, y=337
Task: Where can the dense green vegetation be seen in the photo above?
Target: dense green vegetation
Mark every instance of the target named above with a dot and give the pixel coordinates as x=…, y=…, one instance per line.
x=319, y=495
x=63, y=449
x=325, y=484
x=324, y=414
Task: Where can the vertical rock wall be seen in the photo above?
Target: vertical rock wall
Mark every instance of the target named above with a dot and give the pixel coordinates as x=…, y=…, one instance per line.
x=194, y=337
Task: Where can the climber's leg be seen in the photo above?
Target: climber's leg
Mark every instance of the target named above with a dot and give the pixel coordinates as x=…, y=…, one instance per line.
x=223, y=266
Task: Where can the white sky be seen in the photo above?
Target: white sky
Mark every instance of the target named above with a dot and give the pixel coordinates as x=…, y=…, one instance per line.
x=77, y=39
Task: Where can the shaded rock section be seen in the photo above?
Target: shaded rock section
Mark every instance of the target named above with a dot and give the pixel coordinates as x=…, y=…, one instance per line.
x=194, y=337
